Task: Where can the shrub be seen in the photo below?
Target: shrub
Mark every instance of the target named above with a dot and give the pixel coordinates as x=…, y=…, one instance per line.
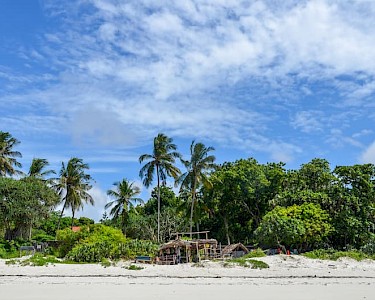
x=105, y=263
x=134, y=267
x=36, y=260
x=39, y=260
x=305, y=224
x=369, y=248
x=10, y=249
x=257, y=264
x=335, y=255
x=43, y=237
x=100, y=242
x=97, y=242
x=255, y=253
x=68, y=239
x=247, y=263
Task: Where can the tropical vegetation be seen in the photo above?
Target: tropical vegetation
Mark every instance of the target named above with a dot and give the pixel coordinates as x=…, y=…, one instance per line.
x=267, y=205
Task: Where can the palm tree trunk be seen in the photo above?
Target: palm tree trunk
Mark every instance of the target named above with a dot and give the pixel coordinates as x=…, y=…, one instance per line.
x=192, y=207
x=157, y=174
x=123, y=222
x=73, y=211
x=61, y=214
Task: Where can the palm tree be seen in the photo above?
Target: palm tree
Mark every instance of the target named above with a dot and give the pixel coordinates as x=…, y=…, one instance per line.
x=161, y=162
x=7, y=156
x=37, y=168
x=73, y=185
x=124, y=195
x=197, y=170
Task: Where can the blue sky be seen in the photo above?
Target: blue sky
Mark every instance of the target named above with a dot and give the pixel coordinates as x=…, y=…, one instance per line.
x=274, y=80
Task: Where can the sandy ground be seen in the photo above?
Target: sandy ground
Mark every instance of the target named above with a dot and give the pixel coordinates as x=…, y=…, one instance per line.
x=289, y=277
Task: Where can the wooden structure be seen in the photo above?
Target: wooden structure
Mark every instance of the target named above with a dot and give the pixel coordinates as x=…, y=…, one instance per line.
x=188, y=250
x=234, y=250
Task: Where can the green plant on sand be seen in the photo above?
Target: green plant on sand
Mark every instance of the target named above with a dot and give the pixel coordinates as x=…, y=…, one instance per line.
x=331, y=254
x=247, y=263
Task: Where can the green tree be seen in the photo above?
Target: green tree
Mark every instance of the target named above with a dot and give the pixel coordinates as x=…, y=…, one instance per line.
x=167, y=199
x=301, y=226
x=198, y=168
x=8, y=157
x=353, y=208
x=73, y=186
x=161, y=162
x=124, y=195
x=38, y=168
x=49, y=225
x=24, y=203
x=240, y=196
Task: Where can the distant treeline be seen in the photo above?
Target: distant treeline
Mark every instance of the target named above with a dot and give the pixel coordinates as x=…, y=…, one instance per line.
x=243, y=201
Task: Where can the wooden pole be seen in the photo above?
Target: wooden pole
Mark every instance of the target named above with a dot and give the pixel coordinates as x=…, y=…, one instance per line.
x=199, y=259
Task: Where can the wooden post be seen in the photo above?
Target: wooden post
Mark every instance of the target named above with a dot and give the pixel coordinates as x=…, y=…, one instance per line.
x=199, y=259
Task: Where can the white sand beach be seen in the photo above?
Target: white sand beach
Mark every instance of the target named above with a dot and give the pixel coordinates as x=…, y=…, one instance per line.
x=289, y=277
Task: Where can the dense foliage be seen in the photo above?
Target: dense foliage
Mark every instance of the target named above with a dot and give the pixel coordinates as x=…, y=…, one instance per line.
x=23, y=205
x=96, y=242
x=297, y=226
x=241, y=201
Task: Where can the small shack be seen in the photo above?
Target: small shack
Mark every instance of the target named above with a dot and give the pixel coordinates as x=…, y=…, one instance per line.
x=235, y=250
x=187, y=250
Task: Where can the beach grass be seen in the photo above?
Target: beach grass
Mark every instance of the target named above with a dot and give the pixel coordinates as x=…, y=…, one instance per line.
x=247, y=263
x=331, y=254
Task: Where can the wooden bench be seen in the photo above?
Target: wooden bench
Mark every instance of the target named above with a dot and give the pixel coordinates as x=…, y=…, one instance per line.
x=143, y=259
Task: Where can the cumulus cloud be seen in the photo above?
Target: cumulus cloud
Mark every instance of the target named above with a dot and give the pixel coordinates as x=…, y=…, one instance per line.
x=368, y=156
x=213, y=70
x=95, y=212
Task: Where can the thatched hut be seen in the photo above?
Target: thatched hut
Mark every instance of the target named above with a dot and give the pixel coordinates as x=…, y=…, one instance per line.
x=235, y=250
x=183, y=251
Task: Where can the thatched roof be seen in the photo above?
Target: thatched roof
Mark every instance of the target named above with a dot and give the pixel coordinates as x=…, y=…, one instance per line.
x=235, y=247
x=189, y=243
x=203, y=242
x=175, y=244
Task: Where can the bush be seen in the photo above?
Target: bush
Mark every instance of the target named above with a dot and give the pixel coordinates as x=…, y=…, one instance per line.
x=41, y=236
x=100, y=242
x=134, y=268
x=10, y=249
x=296, y=225
x=369, y=248
x=335, y=255
x=68, y=239
x=255, y=253
x=97, y=242
x=247, y=263
x=39, y=260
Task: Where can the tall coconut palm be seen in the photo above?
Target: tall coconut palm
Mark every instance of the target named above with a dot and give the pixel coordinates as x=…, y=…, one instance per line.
x=38, y=168
x=8, y=157
x=73, y=185
x=161, y=162
x=198, y=167
x=124, y=195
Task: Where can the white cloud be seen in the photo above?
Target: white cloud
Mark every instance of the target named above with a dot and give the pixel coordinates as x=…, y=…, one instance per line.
x=368, y=156
x=94, y=212
x=307, y=121
x=130, y=69
x=338, y=139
